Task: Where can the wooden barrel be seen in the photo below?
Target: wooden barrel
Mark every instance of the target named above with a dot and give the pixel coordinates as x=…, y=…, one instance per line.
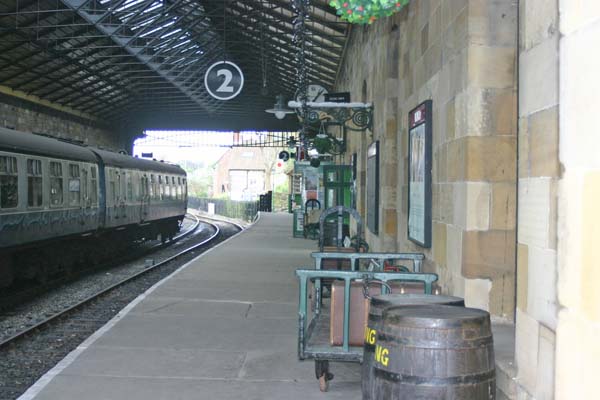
x=377, y=305
x=434, y=352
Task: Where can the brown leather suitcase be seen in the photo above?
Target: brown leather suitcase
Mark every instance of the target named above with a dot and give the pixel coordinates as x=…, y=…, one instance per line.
x=359, y=312
x=359, y=308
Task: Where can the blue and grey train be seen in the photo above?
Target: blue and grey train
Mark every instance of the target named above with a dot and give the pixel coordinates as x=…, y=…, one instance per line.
x=62, y=204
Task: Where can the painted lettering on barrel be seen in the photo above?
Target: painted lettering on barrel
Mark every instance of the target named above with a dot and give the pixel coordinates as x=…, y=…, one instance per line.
x=382, y=355
x=370, y=335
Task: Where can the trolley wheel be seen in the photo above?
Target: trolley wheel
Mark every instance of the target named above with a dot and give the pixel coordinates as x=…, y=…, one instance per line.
x=323, y=383
x=323, y=375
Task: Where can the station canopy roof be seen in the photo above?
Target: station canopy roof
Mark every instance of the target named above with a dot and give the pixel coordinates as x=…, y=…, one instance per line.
x=142, y=62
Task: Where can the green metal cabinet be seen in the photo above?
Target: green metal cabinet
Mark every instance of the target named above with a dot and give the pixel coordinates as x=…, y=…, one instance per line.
x=337, y=182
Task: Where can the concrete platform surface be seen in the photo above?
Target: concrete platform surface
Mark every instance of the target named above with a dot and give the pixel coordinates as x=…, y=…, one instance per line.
x=222, y=328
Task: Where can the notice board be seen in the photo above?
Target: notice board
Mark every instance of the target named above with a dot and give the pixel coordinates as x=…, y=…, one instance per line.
x=419, y=174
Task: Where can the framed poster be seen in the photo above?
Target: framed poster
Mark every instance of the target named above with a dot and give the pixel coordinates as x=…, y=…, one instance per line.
x=419, y=174
x=373, y=187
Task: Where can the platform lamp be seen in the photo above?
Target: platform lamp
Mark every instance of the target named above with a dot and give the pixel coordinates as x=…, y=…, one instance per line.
x=279, y=109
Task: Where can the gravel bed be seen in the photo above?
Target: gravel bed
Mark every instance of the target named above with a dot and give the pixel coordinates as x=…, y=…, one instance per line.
x=70, y=293
x=24, y=362
x=23, y=292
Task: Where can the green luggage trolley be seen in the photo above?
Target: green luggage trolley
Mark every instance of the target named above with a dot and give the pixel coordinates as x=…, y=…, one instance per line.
x=314, y=317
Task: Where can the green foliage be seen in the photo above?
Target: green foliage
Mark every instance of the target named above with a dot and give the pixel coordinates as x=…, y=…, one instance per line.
x=282, y=187
x=322, y=145
x=200, y=179
x=366, y=11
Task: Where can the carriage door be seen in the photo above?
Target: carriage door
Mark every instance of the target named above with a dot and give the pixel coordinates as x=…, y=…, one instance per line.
x=116, y=184
x=86, y=202
x=144, y=197
x=125, y=179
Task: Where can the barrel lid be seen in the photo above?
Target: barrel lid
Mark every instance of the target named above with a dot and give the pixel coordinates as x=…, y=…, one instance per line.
x=407, y=299
x=432, y=315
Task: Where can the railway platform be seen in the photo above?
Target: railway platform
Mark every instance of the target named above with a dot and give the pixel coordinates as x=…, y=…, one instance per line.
x=223, y=327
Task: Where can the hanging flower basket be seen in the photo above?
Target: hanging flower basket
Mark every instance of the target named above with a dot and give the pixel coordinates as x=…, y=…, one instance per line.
x=366, y=11
x=322, y=145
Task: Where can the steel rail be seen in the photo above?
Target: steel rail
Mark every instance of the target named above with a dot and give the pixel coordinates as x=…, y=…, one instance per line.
x=89, y=299
x=27, y=294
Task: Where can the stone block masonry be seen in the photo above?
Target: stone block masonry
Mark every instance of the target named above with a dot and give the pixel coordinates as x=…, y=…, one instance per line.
x=28, y=114
x=462, y=55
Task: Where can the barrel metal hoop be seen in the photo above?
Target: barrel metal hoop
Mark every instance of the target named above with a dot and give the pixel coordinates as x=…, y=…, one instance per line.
x=429, y=381
x=430, y=344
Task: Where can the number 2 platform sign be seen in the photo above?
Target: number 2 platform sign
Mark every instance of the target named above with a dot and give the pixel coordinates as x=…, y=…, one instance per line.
x=224, y=80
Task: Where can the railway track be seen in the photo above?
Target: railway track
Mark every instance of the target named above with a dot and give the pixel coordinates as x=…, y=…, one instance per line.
x=28, y=353
x=20, y=295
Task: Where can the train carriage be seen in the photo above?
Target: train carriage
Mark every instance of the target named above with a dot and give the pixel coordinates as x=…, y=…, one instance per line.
x=51, y=191
x=48, y=189
x=141, y=191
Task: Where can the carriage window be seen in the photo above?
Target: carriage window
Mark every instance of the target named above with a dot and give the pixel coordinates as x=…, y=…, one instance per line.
x=129, y=188
x=111, y=185
x=34, y=183
x=74, y=185
x=94, y=186
x=152, y=187
x=9, y=193
x=84, y=185
x=185, y=192
x=173, y=188
x=56, y=184
x=140, y=190
x=167, y=188
x=118, y=186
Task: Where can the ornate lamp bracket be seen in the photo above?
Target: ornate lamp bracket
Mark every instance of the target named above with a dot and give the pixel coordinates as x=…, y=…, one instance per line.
x=352, y=116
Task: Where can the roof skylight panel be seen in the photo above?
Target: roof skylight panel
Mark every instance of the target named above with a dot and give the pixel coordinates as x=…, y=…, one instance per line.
x=173, y=32
x=154, y=7
x=145, y=22
x=128, y=4
x=182, y=43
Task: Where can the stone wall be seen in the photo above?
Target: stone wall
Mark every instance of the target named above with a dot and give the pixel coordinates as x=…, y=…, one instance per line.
x=27, y=114
x=578, y=325
x=460, y=54
x=536, y=313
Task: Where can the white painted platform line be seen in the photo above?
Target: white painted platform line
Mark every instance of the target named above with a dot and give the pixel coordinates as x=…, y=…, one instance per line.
x=41, y=383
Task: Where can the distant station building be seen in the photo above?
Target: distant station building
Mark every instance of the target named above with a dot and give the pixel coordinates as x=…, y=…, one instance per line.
x=243, y=174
